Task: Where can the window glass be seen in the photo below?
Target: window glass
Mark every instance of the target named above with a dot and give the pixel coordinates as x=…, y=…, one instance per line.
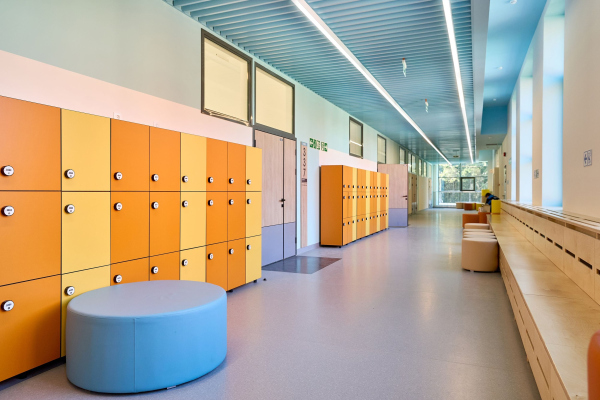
x=402, y=156
x=474, y=179
x=274, y=102
x=381, y=149
x=356, y=139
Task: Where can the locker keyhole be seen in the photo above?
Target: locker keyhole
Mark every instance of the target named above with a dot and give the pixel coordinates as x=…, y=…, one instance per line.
x=118, y=278
x=8, y=305
x=185, y=203
x=118, y=176
x=70, y=291
x=230, y=180
x=70, y=209
x=155, y=205
x=118, y=206
x=211, y=256
x=185, y=178
x=154, y=270
x=155, y=177
x=184, y=263
x=210, y=179
x=8, y=211
x=70, y=174
x=249, y=181
x=8, y=170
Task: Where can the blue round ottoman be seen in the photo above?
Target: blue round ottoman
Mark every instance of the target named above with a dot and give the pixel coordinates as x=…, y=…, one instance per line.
x=145, y=336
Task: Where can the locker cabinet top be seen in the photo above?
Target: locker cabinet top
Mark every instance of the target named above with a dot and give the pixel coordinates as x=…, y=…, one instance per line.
x=146, y=299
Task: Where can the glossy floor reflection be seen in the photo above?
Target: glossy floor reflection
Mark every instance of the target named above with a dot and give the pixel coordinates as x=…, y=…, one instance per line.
x=395, y=318
x=301, y=264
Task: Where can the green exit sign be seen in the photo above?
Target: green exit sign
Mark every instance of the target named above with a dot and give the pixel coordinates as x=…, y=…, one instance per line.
x=317, y=145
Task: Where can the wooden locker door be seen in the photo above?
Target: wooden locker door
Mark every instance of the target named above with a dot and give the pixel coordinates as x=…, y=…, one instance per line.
x=130, y=271
x=236, y=263
x=193, y=220
x=30, y=238
x=253, y=213
x=85, y=230
x=289, y=178
x=272, y=193
x=30, y=332
x=354, y=229
x=129, y=226
x=236, y=215
x=73, y=285
x=192, y=265
x=347, y=178
x=164, y=222
x=85, y=152
x=347, y=226
x=254, y=170
x=345, y=202
x=216, y=165
x=253, y=258
x=362, y=177
x=165, y=160
x=236, y=167
x=216, y=264
x=164, y=267
x=30, y=146
x=129, y=156
x=193, y=163
x=373, y=221
x=216, y=217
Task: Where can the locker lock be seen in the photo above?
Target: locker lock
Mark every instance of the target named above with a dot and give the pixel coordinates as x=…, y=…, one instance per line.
x=154, y=270
x=184, y=263
x=155, y=205
x=118, y=206
x=70, y=291
x=185, y=203
x=70, y=174
x=249, y=247
x=185, y=178
x=8, y=211
x=118, y=176
x=155, y=177
x=8, y=305
x=8, y=170
x=249, y=181
x=230, y=251
x=210, y=179
x=231, y=201
x=70, y=209
x=210, y=202
x=211, y=256
x=118, y=278
x=249, y=201
x=230, y=180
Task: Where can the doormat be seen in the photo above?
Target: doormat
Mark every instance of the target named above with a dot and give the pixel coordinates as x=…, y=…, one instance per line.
x=301, y=264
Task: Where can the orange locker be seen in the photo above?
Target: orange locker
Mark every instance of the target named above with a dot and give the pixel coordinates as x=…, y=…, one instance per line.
x=29, y=325
x=236, y=167
x=30, y=150
x=130, y=156
x=253, y=214
x=345, y=201
x=373, y=222
x=130, y=271
x=362, y=178
x=216, y=217
x=373, y=200
x=347, y=226
x=347, y=181
x=236, y=215
x=216, y=264
x=164, y=222
x=165, y=150
x=236, y=263
x=164, y=267
x=30, y=231
x=216, y=165
x=129, y=226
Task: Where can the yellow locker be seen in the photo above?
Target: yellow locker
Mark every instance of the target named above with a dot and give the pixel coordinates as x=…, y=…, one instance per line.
x=253, y=169
x=354, y=180
x=193, y=220
x=76, y=283
x=354, y=227
x=85, y=230
x=253, y=213
x=253, y=258
x=85, y=152
x=193, y=163
x=192, y=264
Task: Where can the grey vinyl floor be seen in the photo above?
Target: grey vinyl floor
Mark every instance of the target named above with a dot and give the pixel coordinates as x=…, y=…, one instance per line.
x=395, y=318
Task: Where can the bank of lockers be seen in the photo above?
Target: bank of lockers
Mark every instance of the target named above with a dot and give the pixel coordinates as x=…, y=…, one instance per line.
x=354, y=204
x=88, y=202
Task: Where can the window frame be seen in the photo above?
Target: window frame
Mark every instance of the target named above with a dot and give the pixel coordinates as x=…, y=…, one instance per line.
x=362, y=138
x=266, y=128
x=384, y=150
x=465, y=178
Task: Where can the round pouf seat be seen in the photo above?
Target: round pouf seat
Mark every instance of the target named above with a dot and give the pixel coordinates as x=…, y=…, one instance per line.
x=145, y=336
x=472, y=225
x=480, y=254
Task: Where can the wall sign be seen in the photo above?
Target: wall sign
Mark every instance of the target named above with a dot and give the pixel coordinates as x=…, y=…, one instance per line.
x=318, y=145
x=587, y=158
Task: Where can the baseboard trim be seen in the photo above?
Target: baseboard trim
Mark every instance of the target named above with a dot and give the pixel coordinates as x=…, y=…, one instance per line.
x=307, y=249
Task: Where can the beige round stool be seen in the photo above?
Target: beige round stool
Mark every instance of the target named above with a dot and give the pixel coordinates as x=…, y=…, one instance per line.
x=478, y=230
x=479, y=234
x=479, y=254
x=476, y=226
x=460, y=206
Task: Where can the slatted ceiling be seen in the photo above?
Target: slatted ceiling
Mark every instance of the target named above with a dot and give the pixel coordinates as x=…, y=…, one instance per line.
x=379, y=33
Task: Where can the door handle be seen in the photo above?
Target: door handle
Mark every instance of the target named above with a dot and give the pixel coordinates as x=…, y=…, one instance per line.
x=282, y=200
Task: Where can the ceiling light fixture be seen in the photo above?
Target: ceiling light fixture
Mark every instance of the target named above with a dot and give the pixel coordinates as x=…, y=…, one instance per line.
x=404, y=66
x=322, y=26
x=426, y=106
x=454, y=50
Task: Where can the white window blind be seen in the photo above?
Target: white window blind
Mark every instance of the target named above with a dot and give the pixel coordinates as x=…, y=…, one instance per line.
x=381, y=150
x=274, y=102
x=356, y=139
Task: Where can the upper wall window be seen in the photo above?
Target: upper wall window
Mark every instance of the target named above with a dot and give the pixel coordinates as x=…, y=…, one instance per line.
x=402, y=156
x=226, y=80
x=274, y=101
x=356, y=138
x=381, y=142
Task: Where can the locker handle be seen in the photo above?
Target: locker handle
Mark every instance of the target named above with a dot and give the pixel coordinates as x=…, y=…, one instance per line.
x=70, y=174
x=282, y=199
x=69, y=208
x=185, y=203
x=184, y=263
x=69, y=290
x=118, y=278
x=249, y=181
x=249, y=247
x=249, y=201
x=118, y=206
x=230, y=251
x=154, y=270
x=231, y=201
x=210, y=202
x=210, y=179
x=154, y=205
x=8, y=170
x=230, y=180
x=8, y=211
x=185, y=178
x=211, y=256
x=155, y=177
x=8, y=305
x=118, y=176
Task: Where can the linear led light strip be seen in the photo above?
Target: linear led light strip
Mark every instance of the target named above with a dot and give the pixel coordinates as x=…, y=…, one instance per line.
x=322, y=26
x=454, y=50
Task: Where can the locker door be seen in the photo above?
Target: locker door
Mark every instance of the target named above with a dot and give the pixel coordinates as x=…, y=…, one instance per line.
x=354, y=179
x=354, y=229
x=367, y=180
x=373, y=200
x=253, y=213
x=236, y=167
x=164, y=222
x=345, y=202
x=373, y=221
x=85, y=230
x=193, y=220
x=129, y=226
x=236, y=263
x=164, y=267
x=216, y=165
x=30, y=145
x=347, y=176
x=236, y=215
x=354, y=210
x=165, y=150
x=368, y=225
x=193, y=163
x=30, y=237
x=75, y=284
x=347, y=231
x=253, y=169
x=216, y=264
x=30, y=332
x=361, y=179
x=129, y=156
x=192, y=264
x=253, y=258
x=130, y=271
x=216, y=217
